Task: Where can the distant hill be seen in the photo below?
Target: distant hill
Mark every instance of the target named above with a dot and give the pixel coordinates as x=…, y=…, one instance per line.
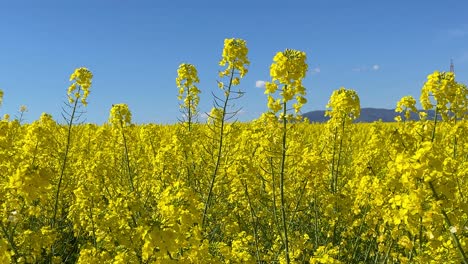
x=368, y=115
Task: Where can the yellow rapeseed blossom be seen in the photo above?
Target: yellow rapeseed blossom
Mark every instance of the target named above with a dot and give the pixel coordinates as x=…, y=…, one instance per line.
x=344, y=104
x=289, y=67
x=235, y=56
x=407, y=104
x=82, y=78
x=287, y=71
x=120, y=115
x=186, y=79
x=449, y=98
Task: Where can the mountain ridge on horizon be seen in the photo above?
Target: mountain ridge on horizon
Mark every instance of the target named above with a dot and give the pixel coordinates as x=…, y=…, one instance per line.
x=368, y=115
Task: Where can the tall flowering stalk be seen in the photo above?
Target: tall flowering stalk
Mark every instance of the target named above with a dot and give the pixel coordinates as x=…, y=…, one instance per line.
x=287, y=71
x=345, y=107
x=77, y=93
x=450, y=100
x=234, y=57
x=187, y=78
x=121, y=117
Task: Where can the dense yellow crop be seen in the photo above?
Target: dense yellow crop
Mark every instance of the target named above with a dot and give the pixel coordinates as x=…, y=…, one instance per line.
x=274, y=190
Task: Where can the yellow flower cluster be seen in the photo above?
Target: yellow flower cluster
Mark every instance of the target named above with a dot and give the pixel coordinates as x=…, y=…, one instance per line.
x=80, y=88
x=235, y=56
x=407, y=104
x=449, y=97
x=287, y=71
x=186, y=79
x=345, y=106
x=120, y=116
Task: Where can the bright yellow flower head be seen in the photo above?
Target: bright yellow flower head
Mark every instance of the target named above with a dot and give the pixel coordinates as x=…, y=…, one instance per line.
x=287, y=71
x=448, y=96
x=289, y=67
x=406, y=104
x=187, y=75
x=345, y=105
x=235, y=56
x=80, y=88
x=120, y=115
x=215, y=115
x=186, y=79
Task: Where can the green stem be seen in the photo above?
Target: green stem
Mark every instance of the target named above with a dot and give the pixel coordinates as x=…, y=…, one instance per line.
x=65, y=158
x=435, y=124
x=332, y=181
x=254, y=221
x=388, y=252
x=127, y=158
x=189, y=112
x=420, y=235
x=339, y=155
x=282, y=172
x=273, y=184
x=92, y=222
x=220, y=147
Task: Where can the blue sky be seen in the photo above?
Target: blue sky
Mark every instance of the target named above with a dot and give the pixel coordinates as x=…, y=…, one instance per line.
x=382, y=49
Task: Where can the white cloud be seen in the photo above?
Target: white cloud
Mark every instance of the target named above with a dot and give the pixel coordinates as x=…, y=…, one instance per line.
x=260, y=84
x=374, y=67
x=316, y=70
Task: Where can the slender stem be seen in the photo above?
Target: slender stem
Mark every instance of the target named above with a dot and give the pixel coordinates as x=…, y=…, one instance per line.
x=220, y=147
x=339, y=155
x=388, y=252
x=282, y=172
x=65, y=158
x=254, y=221
x=316, y=213
x=127, y=158
x=332, y=181
x=420, y=235
x=92, y=222
x=435, y=124
x=298, y=203
x=273, y=184
x=189, y=111
x=455, y=142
